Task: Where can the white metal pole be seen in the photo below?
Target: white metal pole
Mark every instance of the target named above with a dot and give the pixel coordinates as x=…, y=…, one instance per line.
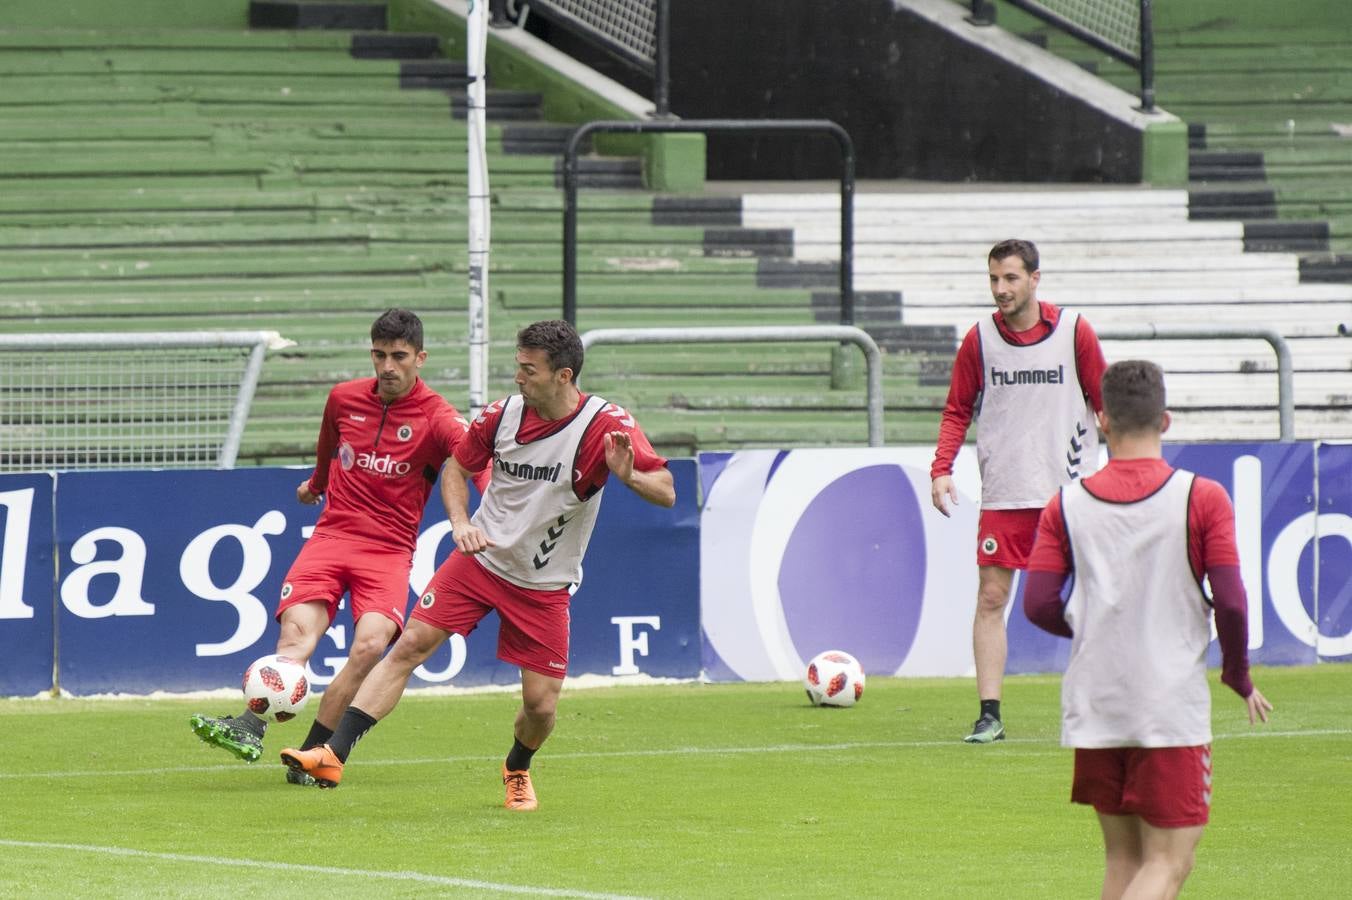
x=479, y=225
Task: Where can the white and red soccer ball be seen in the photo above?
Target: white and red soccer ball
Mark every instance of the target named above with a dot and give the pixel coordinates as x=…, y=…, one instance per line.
x=834, y=678
x=275, y=687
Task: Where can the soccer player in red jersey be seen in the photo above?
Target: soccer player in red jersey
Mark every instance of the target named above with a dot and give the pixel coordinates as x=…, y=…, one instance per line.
x=1029, y=377
x=552, y=449
x=1136, y=540
x=381, y=446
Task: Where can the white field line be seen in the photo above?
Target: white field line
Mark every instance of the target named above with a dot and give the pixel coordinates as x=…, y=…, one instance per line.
x=1029, y=743
x=376, y=875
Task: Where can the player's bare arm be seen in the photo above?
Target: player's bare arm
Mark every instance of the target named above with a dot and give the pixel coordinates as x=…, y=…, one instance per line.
x=469, y=538
x=942, y=492
x=655, y=486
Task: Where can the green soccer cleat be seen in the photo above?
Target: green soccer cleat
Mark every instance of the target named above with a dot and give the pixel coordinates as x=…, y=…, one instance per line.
x=986, y=730
x=224, y=733
x=300, y=777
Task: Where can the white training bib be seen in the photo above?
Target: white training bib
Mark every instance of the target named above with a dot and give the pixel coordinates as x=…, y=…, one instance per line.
x=1137, y=670
x=530, y=510
x=1032, y=418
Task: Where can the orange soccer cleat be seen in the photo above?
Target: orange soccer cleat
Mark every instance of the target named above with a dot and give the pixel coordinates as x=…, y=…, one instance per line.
x=320, y=763
x=520, y=794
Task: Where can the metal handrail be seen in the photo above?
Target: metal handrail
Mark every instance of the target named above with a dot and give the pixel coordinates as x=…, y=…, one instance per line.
x=1286, y=405
x=764, y=334
x=705, y=126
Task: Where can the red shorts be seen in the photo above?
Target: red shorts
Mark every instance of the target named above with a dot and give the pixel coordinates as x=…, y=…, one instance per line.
x=375, y=578
x=1004, y=537
x=532, y=625
x=1168, y=787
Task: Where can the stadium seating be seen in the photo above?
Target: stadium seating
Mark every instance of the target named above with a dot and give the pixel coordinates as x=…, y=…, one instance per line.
x=1125, y=257
x=303, y=181
x=1267, y=113
x=296, y=181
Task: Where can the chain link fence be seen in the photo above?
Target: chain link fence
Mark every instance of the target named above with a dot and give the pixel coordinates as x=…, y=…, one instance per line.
x=127, y=401
x=1115, y=22
x=627, y=27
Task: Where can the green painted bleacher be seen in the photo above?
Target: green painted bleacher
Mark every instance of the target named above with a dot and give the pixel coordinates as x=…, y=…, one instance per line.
x=179, y=179
x=1248, y=77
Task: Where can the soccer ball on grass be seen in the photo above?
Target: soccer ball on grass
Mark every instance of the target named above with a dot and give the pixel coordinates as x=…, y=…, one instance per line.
x=275, y=687
x=834, y=678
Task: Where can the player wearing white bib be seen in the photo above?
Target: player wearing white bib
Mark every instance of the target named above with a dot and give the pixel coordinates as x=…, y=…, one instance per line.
x=552, y=450
x=1136, y=540
x=1028, y=375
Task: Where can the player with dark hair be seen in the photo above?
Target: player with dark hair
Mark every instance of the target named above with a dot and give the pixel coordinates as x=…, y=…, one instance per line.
x=552, y=449
x=1135, y=540
x=381, y=445
x=1029, y=376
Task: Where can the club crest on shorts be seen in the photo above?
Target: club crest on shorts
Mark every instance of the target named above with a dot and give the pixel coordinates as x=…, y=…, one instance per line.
x=427, y=599
x=286, y=590
x=989, y=545
x=405, y=432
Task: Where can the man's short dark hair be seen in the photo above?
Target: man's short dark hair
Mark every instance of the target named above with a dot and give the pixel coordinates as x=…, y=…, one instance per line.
x=1024, y=250
x=558, y=339
x=1133, y=395
x=399, y=325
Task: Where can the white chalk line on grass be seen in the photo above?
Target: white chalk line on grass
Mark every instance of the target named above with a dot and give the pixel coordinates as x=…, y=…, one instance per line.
x=579, y=754
x=1022, y=743
x=418, y=877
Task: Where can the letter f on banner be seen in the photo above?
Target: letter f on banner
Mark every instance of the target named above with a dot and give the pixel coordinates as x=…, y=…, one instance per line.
x=631, y=642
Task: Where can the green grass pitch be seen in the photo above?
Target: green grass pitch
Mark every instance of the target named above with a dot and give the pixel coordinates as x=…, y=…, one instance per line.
x=686, y=790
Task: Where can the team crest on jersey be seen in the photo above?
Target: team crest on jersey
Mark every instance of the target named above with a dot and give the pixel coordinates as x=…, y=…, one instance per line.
x=989, y=545
x=347, y=457
x=427, y=600
x=405, y=432
x=286, y=590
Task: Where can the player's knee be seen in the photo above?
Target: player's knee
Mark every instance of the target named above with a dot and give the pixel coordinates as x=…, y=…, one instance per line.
x=412, y=649
x=1174, y=865
x=540, y=706
x=1183, y=867
x=366, y=651
x=296, y=642
x=992, y=598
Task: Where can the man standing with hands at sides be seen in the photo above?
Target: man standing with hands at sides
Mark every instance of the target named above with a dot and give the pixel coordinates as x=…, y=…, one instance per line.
x=552, y=449
x=1029, y=376
x=381, y=444
x=1137, y=539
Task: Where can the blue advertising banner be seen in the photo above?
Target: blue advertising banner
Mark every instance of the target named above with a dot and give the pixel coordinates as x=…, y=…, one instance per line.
x=1272, y=486
x=168, y=581
x=1332, y=607
x=26, y=574
x=809, y=550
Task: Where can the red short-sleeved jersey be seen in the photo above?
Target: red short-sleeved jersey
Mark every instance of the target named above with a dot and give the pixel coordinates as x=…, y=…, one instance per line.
x=377, y=464
x=590, y=472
